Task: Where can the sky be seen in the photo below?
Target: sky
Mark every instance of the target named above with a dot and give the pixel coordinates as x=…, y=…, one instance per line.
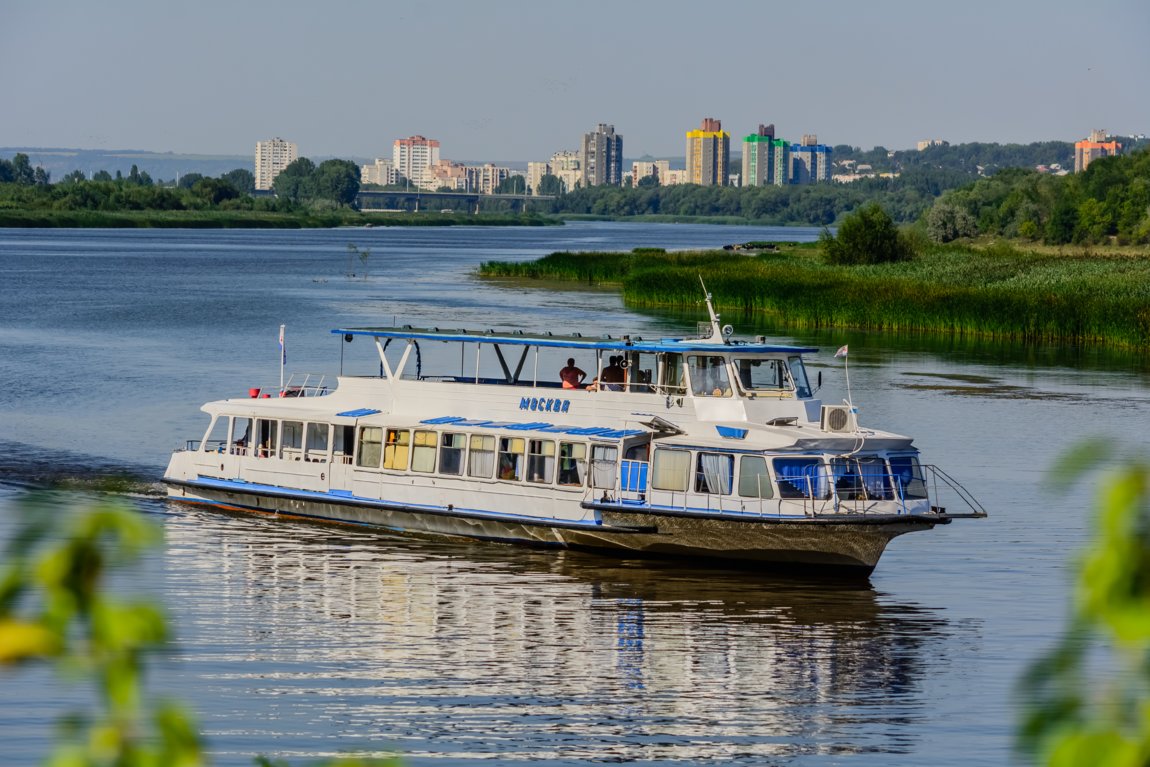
x=517, y=80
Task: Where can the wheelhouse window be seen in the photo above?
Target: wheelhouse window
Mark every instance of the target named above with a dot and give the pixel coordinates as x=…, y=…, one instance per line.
x=241, y=442
x=291, y=442
x=397, y=449
x=572, y=463
x=511, y=457
x=423, y=451
x=714, y=473
x=709, y=376
x=673, y=381
x=267, y=433
x=754, y=481
x=540, y=460
x=799, y=376
x=670, y=469
x=316, y=442
x=766, y=376
x=801, y=477
x=451, y=448
x=217, y=437
x=908, y=477
x=641, y=370
x=370, y=447
x=481, y=456
x=604, y=459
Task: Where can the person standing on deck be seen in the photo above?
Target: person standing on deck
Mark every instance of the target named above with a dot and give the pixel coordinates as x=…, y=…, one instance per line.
x=571, y=376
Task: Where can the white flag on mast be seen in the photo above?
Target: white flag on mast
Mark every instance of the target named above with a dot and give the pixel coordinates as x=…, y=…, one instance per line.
x=842, y=352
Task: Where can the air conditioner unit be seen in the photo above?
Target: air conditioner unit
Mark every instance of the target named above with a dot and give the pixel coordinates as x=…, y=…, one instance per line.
x=839, y=419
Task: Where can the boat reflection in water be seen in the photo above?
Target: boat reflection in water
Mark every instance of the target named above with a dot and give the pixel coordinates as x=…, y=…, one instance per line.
x=457, y=652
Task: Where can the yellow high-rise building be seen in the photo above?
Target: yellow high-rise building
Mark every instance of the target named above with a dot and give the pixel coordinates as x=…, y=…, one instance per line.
x=708, y=154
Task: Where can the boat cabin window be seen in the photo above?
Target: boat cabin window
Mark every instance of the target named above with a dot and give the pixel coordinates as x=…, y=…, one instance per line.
x=801, y=477
x=344, y=443
x=370, y=447
x=709, y=376
x=481, y=456
x=241, y=436
x=604, y=461
x=511, y=457
x=216, y=439
x=641, y=370
x=540, y=460
x=291, y=441
x=396, y=449
x=451, y=448
x=908, y=476
x=267, y=432
x=799, y=376
x=754, y=481
x=572, y=463
x=714, y=473
x=762, y=375
x=861, y=478
x=423, y=451
x=673, y=380
x=669, y=469
x=316, y=442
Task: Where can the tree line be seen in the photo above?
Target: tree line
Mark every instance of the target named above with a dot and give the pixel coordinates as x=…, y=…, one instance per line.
x=1108, y=202
x=303, y=186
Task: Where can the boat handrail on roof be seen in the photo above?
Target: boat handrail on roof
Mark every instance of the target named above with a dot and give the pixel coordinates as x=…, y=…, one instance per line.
x=625, y=343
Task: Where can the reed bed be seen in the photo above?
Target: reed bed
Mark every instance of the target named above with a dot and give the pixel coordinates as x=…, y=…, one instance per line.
x=1080, y=299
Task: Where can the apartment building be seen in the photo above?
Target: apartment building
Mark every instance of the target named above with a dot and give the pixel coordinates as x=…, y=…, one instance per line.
x=708, y=154
x=602, y=156
x=272, y=156
x=412, y=158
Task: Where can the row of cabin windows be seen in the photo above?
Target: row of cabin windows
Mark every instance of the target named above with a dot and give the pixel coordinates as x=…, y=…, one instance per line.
x=809, y=477
x=483, y=456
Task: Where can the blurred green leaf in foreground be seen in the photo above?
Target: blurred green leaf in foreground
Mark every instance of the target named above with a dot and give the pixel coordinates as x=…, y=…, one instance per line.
x=1087, y=701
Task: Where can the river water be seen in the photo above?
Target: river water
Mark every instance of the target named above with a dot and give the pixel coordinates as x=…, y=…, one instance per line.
x=297, y=641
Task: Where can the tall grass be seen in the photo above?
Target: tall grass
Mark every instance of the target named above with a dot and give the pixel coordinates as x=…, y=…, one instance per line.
x=1019, y=296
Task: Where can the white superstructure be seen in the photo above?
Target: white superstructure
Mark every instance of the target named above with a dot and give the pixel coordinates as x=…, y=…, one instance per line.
x=696, y=447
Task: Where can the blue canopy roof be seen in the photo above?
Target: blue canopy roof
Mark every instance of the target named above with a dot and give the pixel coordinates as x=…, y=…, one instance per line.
x=624, y=343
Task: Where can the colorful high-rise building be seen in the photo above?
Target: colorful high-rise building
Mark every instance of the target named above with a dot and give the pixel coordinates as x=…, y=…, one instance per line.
x=602, y=156
x=272, y=156
x=810, y=161
x=1098, y=145
x=708, y=154
x=762, y=165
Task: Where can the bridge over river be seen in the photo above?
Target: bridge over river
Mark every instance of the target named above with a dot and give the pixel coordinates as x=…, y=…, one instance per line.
x=415, y=200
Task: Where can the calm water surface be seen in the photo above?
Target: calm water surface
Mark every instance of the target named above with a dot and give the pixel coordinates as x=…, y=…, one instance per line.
x=298, y=641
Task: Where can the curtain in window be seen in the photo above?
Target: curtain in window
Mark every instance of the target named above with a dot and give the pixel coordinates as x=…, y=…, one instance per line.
x=670, y=469
x=874, y=478
x=715, y=473
x=800, y=477
x=908, y=476
x=603, y=460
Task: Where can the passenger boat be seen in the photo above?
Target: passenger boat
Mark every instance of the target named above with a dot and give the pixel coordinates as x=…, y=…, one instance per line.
x=701, y=447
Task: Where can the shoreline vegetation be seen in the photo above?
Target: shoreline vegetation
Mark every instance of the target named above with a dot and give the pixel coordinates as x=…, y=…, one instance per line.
x=990, y=289
x=247, y=219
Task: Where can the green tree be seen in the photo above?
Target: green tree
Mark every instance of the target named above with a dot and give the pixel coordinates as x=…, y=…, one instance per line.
x=550, y=184
x=514, y=184
x=294, y=182
x=336, y=181
x=867, y=236
x=188, y=180
x=946, y=222
x=241, y=178
x=213, y=191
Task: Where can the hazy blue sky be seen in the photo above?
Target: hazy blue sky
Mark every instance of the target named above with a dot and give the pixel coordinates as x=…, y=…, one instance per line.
x=521, y=79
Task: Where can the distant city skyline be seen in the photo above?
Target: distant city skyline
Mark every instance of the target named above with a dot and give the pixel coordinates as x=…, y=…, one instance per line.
x=501, y=82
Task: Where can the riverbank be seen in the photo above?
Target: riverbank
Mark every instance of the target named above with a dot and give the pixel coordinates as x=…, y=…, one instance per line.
x=245, y=219
x=997, y=291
